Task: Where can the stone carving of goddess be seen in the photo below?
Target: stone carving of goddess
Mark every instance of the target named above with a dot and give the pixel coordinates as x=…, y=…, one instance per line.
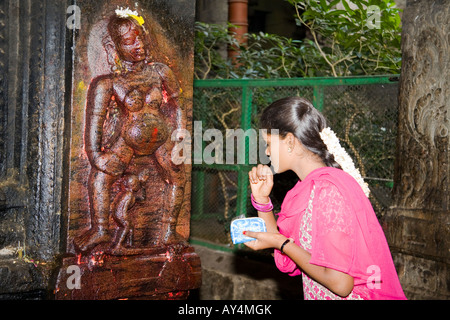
x=146, y=96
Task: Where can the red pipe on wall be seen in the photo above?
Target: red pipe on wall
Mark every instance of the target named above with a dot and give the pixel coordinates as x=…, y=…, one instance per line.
x=238, y=16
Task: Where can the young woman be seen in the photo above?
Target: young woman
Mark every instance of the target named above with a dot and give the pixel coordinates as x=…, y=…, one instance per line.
x=327, y=230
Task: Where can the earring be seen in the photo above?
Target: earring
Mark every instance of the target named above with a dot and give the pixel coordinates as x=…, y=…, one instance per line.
x=289, y=150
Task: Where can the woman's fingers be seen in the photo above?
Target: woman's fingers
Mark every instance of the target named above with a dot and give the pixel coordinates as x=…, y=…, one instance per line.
x=252, y=234
x=252, y=176
x=252, y=244
x=256, y=244
x=261, y=181
x=260, y=173
x=269, y=175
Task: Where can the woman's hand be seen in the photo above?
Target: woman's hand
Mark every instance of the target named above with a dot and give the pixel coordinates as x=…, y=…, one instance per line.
x=339, y=282
x=264, y=240
x=261, y=182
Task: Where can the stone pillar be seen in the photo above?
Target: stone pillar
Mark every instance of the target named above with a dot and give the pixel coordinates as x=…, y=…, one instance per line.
x=417, y=225
x=33, y=58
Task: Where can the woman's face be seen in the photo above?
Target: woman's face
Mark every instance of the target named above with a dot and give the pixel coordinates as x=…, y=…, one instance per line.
x=277, y=151
x=130, y=44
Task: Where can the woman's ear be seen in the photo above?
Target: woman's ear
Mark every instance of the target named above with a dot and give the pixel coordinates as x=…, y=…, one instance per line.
x=295, y=144
x=290, y=140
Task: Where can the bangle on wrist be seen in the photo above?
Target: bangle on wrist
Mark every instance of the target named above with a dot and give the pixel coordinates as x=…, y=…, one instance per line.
x=284, y=243
x=267, y=207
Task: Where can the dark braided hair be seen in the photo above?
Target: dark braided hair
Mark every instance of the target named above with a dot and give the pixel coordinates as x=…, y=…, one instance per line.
x=298, y=116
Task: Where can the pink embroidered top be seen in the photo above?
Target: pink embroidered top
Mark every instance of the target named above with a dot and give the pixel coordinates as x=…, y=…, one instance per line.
x=328, y=215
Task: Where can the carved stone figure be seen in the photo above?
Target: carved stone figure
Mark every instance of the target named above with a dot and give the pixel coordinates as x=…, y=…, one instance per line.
x=126, y=199
x=136, y=108
x=128, y=203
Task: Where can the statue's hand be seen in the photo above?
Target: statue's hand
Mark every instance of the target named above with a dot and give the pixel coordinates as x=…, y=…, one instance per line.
x=110, y=164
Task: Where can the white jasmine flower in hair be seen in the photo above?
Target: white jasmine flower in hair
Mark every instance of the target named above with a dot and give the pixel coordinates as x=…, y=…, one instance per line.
x=342, y=157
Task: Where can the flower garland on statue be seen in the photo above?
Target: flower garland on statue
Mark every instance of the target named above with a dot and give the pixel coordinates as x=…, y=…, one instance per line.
x=341, y=156
x=125, y=13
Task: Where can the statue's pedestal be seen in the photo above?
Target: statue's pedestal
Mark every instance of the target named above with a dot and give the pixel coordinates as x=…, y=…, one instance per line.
x=157, y=273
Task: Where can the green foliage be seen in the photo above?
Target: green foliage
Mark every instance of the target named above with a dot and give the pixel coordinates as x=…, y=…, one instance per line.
x=341, y=42
x=210, y=39
x=347, y=39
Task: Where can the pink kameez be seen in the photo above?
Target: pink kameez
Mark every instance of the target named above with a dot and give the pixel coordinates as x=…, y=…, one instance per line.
x=328, y=215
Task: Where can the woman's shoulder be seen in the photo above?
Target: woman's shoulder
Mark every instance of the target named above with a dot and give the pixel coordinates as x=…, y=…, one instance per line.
x=330, y=178
x=333, y=175
x=329, y=174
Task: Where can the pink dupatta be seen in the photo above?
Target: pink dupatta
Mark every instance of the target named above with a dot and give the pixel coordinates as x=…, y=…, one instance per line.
x=369, y=262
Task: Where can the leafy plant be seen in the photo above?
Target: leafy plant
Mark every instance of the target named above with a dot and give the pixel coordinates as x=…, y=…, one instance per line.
x=211, y=41
x=265, y=55
x=348, y=40
x=342, y=42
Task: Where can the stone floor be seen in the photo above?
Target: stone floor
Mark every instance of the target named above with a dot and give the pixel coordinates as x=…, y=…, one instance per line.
x=243, y=276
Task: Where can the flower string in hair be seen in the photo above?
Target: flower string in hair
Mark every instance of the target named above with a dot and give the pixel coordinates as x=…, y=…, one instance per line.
x=341, y=156
x=126, y=13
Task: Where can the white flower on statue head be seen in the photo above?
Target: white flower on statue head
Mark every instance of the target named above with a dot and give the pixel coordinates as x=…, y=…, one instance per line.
x=342, y=157
x=125, y=13
x=128, y=13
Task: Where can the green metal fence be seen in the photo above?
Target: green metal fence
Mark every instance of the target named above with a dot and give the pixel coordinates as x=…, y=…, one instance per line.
x=361, y=110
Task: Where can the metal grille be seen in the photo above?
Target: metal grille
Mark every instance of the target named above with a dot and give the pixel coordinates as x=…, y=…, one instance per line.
x=361, y=110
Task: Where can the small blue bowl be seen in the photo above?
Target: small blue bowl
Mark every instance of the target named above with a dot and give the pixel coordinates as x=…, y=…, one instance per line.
x=245, y=224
